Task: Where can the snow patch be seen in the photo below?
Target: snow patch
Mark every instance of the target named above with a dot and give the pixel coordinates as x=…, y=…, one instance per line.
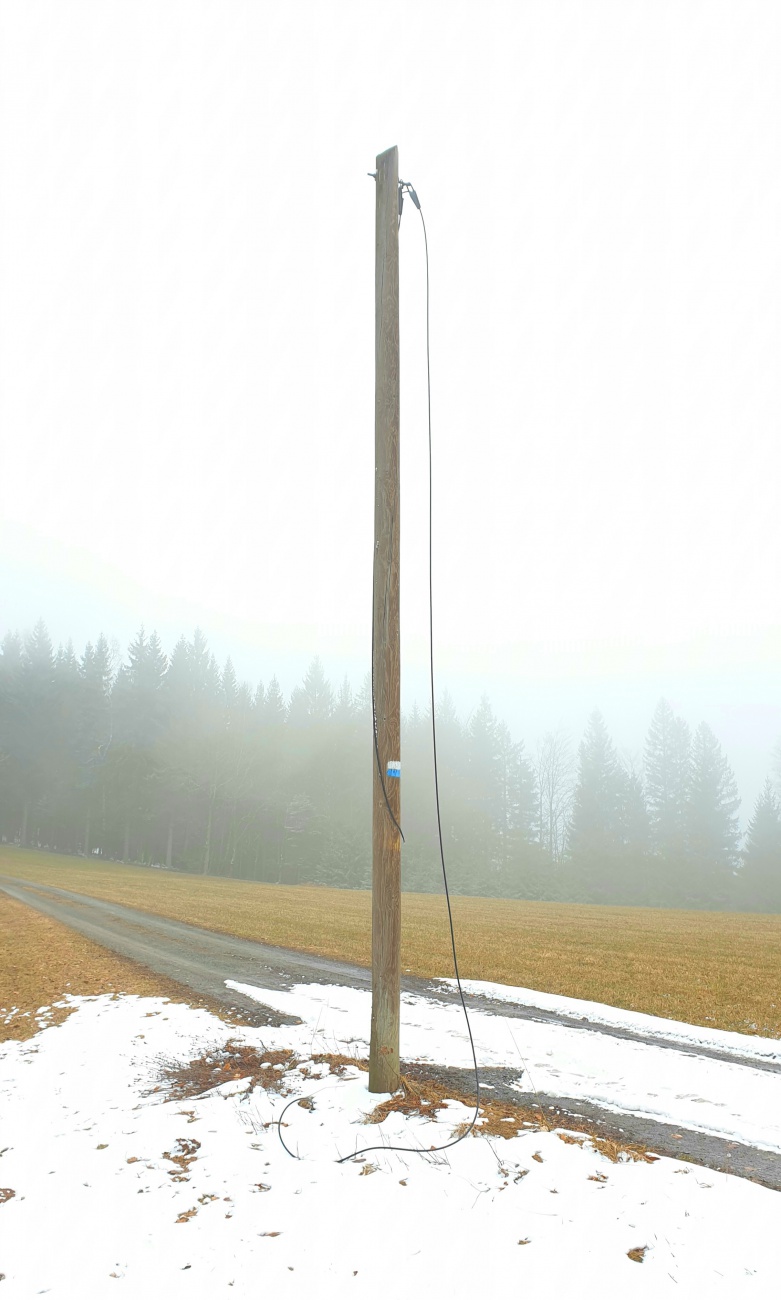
x=118, y=1190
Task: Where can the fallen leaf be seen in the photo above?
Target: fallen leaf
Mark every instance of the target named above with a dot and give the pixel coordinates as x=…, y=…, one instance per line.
x=637, y=1253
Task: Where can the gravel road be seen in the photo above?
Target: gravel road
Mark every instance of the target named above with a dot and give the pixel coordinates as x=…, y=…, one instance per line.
x=203, y=960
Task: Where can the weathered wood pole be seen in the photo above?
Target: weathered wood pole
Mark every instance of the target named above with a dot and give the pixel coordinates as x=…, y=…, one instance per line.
x=386, y=841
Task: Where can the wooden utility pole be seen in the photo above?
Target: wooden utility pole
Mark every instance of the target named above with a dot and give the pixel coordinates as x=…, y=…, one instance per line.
x=386, y=840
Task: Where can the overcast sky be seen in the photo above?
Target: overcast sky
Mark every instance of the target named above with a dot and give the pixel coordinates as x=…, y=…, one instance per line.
x=187, y=348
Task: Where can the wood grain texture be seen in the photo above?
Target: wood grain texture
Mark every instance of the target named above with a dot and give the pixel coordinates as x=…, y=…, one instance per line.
x=386, y=842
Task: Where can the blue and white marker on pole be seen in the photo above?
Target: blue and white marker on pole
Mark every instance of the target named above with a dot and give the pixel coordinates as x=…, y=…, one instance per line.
x=393, y=768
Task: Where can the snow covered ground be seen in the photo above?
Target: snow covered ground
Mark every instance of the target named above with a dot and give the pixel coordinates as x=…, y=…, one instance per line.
x=119, y=1189
x=717, y=1097
x=721, y=1040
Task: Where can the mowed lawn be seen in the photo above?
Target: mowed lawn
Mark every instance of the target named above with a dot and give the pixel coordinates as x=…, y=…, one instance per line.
x=721, y=969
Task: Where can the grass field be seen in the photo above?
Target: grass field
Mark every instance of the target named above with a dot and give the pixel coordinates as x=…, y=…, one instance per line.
x=41, y=961
x=710, y=968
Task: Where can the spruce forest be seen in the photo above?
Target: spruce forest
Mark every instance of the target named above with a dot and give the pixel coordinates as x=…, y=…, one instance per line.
x=171, y=761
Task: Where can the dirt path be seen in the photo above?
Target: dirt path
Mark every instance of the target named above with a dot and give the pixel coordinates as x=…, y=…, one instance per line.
x=203, y=960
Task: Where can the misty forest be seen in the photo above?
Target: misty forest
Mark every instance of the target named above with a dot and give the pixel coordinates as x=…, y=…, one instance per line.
x=171, y=761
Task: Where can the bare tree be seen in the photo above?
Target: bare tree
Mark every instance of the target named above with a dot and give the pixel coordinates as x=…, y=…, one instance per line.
x=555, y=768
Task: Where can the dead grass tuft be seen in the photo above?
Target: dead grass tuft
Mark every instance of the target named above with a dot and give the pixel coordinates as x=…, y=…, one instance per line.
x=570, y=1140
x=414, y=1097
x=505, y=1119
x=501, y=1119
x=225, y=1065
x=428, y=1097
x=637, y=1253
x=621, y=1151
x=612, y=1150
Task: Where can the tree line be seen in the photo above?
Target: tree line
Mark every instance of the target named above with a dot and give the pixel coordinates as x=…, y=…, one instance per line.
x=170, y=760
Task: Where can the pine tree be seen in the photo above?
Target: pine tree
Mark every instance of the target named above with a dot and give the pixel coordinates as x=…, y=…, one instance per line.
x=313, y=780
x=485, y=816
x=311, y=704
x=595, y=840
x=64, y=758
x=139, y=705
x=526, y=866
x=139, y=700
x=33, y=731
x=346, y=844
x=11, y=795
x=272, y=768
x=178, y=751
x=667, y=784
x=10, y=655
x=274, y=710
x=713, y=828
x=760, y=879
x=452, y=749
x=508, y=790
x=239, y=770
x=246, y=701
x=229, y=686
x=95, y=724
x=202, y=666
x=94, y=739
x=421, y=870
x=636, y=839
x=179, y=679
x=180, y=762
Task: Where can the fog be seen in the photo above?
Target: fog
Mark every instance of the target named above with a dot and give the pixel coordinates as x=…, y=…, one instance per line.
x=186, y=328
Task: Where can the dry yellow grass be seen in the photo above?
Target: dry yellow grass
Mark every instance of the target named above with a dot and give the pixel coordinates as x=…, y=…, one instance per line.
x=416, y=1095
x=711, y=968
x=41, y=961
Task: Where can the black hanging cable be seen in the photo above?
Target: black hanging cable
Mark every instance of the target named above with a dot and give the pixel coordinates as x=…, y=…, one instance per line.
x=405, y=187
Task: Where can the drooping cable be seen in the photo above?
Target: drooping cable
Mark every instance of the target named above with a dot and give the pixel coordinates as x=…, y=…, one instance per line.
x=404, y=186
